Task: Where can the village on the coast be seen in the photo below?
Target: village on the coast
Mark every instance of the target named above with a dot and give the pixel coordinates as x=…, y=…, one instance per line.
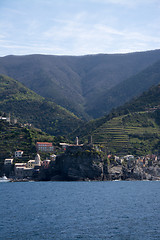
x=17, y=169
x=79, y=160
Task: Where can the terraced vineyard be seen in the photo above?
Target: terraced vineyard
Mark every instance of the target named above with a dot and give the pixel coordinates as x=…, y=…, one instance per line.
x=128, y=134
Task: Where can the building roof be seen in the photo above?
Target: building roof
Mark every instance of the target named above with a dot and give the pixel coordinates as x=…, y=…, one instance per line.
x=20, y=164
x=27, y=169
x=75, y=145
x=3, y=118
x=33, y=161
x=64, y=144
x=46, y=143
x=19, y=151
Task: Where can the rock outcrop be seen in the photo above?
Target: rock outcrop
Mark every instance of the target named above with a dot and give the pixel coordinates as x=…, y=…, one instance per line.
x=115, y=173
x=78, y=164
x=141, y=173
x=84, y=163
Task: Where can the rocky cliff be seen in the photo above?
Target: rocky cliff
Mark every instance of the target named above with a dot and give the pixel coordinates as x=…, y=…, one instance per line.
x=78, y=164
x=141, y=173
x=83, y=163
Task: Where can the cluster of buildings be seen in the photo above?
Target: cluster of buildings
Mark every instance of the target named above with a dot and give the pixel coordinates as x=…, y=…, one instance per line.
x=30, y=168
x=143, y=161
x=26, y=170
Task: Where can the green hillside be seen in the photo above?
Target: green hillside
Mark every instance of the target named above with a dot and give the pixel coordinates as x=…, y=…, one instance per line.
x=131, y=129
x=82, y=84
x=136, y=133
x=29, y=107
x=146, y=102
x=14, y=137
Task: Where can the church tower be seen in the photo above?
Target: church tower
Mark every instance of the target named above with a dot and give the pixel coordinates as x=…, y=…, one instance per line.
x=38, y=160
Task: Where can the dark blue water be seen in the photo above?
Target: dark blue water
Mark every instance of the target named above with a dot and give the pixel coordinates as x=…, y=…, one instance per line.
x=80, y=210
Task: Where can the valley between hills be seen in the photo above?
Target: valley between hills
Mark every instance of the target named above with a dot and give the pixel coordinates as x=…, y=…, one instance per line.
x=89, y=86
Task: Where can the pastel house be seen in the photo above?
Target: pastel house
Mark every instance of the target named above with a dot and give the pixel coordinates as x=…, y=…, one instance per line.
x=34, y=163
x=8, y=161
x=18, y=154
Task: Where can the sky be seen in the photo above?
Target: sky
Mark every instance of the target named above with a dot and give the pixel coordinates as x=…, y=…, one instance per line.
x=78, y=27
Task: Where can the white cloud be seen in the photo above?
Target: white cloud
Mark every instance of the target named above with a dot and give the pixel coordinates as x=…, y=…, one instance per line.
x=104, y=29
x=128, y=3
x=75, y=37
x=2, y=36
x=11, y=11
x=78, y=38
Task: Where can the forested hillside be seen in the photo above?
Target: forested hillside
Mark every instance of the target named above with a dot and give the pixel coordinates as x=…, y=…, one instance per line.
x=126, y=90
x=29, y=107
x=85, y=85
x=15, y=137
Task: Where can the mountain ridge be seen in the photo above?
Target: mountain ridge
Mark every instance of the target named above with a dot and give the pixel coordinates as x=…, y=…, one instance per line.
x=126, y=90
x=76, y=82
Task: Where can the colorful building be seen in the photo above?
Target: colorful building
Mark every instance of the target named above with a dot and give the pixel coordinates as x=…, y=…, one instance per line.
x=46, y=163
x=33, y=163
x=44, y=147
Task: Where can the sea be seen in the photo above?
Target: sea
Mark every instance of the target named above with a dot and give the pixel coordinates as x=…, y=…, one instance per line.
x=119, y=210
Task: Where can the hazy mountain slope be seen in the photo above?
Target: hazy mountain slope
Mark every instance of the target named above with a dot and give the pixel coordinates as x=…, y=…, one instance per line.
x=103, y=72
x=148, y=101
x=48, y=76
x=76, y=83
x=29, y=107
x=126, y=90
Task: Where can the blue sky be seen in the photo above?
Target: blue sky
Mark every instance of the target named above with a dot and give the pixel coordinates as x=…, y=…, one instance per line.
x=78, y=27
